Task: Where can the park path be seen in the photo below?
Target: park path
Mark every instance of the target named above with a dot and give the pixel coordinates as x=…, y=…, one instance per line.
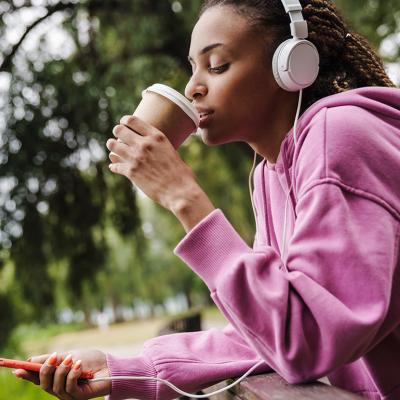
x=125, y=339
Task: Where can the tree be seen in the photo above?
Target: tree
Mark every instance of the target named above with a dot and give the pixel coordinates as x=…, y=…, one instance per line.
x=63, y=216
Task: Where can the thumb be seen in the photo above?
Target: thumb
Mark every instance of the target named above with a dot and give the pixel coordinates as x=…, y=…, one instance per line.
x=27, y=375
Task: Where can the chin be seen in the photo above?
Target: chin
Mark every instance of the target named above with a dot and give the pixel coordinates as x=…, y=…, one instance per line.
x=214, y=139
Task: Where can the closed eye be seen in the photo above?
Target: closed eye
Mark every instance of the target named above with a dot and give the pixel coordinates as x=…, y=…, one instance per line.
x=219, y=70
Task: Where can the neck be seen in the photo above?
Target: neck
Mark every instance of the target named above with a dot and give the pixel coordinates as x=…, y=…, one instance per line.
x=281, y=120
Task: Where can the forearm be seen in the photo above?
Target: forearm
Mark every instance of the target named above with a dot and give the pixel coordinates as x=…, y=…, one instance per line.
x=192, y=208
x=190, y=360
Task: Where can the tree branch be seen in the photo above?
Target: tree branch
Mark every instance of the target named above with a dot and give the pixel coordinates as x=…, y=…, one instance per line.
x=5, y=66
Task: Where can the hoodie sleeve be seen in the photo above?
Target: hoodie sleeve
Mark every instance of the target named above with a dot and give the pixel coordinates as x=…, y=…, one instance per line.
x=191, y=361
x=327, y=308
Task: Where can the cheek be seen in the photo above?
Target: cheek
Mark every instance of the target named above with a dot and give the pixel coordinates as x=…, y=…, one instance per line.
x=249, y=92
x=244, y=100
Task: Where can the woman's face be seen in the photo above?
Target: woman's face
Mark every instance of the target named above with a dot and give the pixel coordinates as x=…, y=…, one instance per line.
x=232, y=85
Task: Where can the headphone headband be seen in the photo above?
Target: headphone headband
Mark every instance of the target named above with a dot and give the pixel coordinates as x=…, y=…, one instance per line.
x=295, y=64
x=298, y=26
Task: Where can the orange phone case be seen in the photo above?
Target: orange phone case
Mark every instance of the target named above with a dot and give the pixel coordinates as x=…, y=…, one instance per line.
x=35, y=367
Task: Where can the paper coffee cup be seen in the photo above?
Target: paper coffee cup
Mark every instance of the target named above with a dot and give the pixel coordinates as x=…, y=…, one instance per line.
x=169, y=111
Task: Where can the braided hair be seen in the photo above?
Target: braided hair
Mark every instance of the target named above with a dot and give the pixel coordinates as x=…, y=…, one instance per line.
x=347, y=61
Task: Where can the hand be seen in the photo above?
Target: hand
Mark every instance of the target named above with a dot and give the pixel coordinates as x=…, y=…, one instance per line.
x=62, y=382
x=146, y=157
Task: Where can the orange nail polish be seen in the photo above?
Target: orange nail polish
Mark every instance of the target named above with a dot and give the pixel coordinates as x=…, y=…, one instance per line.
x=52, y=360
x=78, y=365
x=67, y=361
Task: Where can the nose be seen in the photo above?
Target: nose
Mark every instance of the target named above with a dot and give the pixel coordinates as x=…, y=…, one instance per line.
x=194, y=88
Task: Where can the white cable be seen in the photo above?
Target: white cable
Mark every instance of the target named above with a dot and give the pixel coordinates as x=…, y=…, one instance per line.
x=297, y=117
x=172, y=386
x=251, y=189
x=283, y=244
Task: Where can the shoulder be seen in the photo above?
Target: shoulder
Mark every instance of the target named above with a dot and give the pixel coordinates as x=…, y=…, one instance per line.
x=356, y=142
x=351, y=145
x=352, y=131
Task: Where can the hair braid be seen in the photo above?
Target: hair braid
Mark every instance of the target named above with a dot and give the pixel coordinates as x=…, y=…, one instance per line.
x=347, y=61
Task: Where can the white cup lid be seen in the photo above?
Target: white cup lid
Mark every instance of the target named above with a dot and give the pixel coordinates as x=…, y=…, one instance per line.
x=177, y=98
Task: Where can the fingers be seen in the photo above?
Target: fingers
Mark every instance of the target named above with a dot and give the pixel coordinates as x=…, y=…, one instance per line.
x=125, y=134
x=60, y=376
x=46, y=373
x=138, y=125
x=39, y=359
x=54, y=376
x=29, y=375
x=114, y=158
x=121, y=169
x=132, y=129
x=72, y=380
x=119, y=149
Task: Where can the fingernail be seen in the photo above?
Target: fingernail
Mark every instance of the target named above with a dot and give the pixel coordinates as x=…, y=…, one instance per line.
x=78, y=365
x=52, y=360
x=17, y=374
x=68, y=360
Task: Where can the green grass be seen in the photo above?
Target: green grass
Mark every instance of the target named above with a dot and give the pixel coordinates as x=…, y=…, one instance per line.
x=15, y=388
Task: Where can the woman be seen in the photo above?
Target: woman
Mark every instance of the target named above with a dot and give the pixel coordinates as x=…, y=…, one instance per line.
x=318, y=293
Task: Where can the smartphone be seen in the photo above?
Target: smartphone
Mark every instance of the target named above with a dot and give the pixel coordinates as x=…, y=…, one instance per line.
x=35, y=367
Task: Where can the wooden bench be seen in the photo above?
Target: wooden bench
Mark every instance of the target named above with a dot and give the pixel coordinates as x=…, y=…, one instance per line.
x=273, y=387
x=186, y=322
x=260, y=387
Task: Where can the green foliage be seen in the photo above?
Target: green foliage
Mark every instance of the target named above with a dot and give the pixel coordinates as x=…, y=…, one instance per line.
x=6, y=324
x=374, y=19
x=72, y=233
x=19, y=389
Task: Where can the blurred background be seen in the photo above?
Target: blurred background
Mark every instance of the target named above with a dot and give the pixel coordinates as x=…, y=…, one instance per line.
x=85, y=258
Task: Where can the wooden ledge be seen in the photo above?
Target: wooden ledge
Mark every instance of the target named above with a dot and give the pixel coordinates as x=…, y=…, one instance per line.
x=273, y=387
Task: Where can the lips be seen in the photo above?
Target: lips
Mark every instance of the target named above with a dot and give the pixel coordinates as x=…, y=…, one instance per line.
x=205, y=116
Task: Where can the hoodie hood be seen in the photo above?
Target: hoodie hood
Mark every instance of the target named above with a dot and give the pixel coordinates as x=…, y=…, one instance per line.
x=351, y=139
x=383, y=102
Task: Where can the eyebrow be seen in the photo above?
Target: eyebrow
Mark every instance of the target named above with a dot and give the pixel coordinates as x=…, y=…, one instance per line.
x=207, y=49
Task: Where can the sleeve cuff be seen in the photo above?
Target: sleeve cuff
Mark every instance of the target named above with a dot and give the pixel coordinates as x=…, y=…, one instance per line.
x=210, y=245
x=137, y=366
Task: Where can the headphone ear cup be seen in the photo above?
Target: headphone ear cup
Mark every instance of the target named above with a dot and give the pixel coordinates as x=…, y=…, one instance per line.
x=295, y=64
x=275, y=68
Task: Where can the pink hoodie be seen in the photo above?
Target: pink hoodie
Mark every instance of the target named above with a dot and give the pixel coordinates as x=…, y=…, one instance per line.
x=335, y=310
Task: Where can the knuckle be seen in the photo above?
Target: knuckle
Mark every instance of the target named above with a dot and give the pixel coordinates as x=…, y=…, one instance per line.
x=141, y=161
x=128, y=120
x=159, y=137
x=133, y=168
x=147, y=146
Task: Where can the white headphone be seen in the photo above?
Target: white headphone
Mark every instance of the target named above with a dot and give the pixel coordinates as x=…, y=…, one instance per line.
x=295, y=63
